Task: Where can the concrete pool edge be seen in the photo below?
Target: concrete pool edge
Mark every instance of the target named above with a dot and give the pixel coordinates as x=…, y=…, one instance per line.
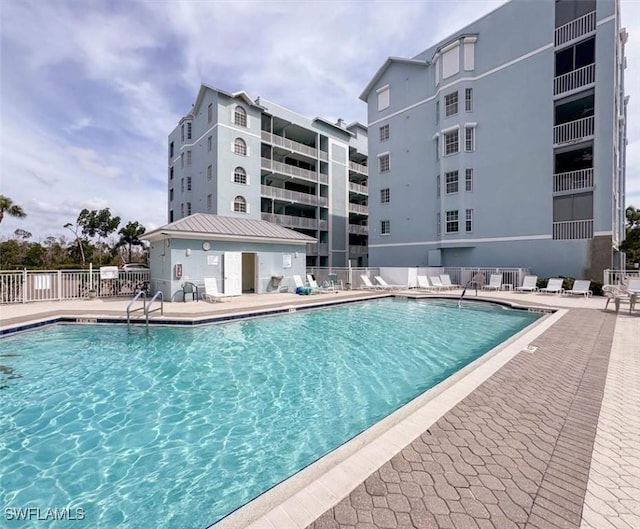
x=305, y=496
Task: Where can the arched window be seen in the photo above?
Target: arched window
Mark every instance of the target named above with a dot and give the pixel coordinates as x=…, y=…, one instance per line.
x=239, y=204
x=239, y=175
x=240, y=147
x=240, y=116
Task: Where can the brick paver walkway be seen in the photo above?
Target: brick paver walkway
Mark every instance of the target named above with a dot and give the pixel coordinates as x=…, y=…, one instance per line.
x=515, y=453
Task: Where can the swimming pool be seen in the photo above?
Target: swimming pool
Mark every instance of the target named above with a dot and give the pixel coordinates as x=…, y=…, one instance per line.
x=180, y=426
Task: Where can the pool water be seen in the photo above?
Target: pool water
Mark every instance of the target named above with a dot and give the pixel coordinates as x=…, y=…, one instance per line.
x=178, y=427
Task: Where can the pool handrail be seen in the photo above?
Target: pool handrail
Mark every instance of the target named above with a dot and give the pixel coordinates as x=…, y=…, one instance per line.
x=144, y=304
x=147, y=306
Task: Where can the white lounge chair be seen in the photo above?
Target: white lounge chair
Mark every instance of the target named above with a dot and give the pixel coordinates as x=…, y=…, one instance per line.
x=386, y=286
x=297, y=281
x=446, y=281
x=529, y=284
x=314, y=285
x=580, y=288
x=495, y=282
x=367, y=284
x=554, y=286
x=211, y=292
x=437, y=283
x=423, y=283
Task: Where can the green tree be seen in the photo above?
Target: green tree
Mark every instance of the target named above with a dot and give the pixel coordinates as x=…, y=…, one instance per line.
x=98, y=224
x=631, y=243
x=75, y=229
x=130, y=236
x=7, y=206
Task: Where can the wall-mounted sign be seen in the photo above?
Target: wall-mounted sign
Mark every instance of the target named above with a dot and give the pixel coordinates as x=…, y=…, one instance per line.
x=213, y=260
x=286, y=260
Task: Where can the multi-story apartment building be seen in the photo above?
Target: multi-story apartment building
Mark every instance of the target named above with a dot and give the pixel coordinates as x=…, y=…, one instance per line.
x=504, y=144
x=233, y=156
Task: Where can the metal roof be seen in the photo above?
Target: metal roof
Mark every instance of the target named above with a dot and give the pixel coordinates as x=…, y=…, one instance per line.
x=202, y=224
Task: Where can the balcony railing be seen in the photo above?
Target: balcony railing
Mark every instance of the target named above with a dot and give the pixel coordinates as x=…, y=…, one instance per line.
x=575, y=79
x=293, y=196
x=357, y=188
x=321, y=248
x=573, y=180
x=357, y=208
x=292, y=170
x=575, y=29
x=573, y=229
x=358, y=168
x=358, y=250
x=356, y=229
x=289, y=144
x=295, y=222
x=574, y=131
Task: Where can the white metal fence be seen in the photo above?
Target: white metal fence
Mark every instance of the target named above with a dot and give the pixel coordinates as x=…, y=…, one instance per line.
x=618, y=277
x=56, y=285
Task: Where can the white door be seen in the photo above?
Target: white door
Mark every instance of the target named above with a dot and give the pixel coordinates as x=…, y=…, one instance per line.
x=232, y=273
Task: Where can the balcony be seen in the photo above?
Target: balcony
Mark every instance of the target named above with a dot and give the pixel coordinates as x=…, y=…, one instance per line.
x=290, y=145
x=357, y=188
x=293, y=196
x=573, y=131
x=575, y=29
x=314, y=249
x=358, y=250
x=357, y=208
x=573, y=229
x=356, y=229
x=573, y=180
x=358, y=168
x=291, y=221
x=292, y=170
x=574, y=80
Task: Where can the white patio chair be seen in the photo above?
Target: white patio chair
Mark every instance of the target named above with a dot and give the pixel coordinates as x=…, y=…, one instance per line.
x=529, y=284
x=554, y=286
x=211, y=292
x=495, y=282
x=446, y=281
x=580, y=288
x=386, y=286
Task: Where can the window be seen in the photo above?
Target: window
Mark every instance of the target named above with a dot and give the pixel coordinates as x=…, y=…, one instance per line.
x=438, y=223
x=468, y=225
x=239, y=175
x=469, y=139
x=210, y=172
x=384, y=133
x=170, y=173
x=240, y=116
x=188, y=157
x=240, y=147
x=209, y=143
x=438, y=111
x=451, y=142
x=451, y=104
x=385, y=195
x=181, y=159
x=468, y=99
x=438, y=185
x=383, y=163
x=182, y=132
x=182, y=185
x=189, y=130
x=383, y=97
x=451, y=182
x=239, y=204
x=171, y=195
x=452, y=221
x=171, y=150
x=188, y=208
x=209, y=201
x=188, y=183
x=210, y=113
x=468, y=180
x=182, y=210
x=170, y=215
x=450, y=60
x=385, y=227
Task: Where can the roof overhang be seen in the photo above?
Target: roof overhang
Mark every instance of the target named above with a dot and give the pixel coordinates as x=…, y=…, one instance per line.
x=387, y=64
x=161, y=234
x=241, y=96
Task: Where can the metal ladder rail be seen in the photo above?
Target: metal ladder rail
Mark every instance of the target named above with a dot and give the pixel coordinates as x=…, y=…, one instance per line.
x=477, y=281
x=147, y=307
x=144, y=304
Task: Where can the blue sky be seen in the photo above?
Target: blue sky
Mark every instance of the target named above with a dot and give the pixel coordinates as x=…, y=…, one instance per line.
x=90, y=89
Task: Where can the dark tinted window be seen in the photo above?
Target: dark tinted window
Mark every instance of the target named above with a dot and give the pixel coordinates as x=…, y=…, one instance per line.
x=568, y=10
x=585, y=53
x=564, y=61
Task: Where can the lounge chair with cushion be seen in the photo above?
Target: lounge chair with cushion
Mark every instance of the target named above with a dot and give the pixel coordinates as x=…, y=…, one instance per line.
x=386, y=286
x=529, y=284
x=495, y=282
x=211, y=292
x=446, y=281
x=554, y=286
x=580, y=288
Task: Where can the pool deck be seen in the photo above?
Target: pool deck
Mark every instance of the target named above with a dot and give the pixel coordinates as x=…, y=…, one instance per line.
x=542, y=432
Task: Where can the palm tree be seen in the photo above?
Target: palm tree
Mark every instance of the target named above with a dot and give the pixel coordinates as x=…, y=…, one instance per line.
x=6, y=204
x=130, y=236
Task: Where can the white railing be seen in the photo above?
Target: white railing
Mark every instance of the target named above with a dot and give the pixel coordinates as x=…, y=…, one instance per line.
x=357, y=188
x=296, y=222
x=357, y=229
x=572, y=180
x=573, y=229
x=357, y=208
x=292, y=170
x=510, y=276
x=575, y=79
x=290, y=144
x=293, y=196
x=573, y=131
x=358, y=168
x=618, y=277
x=57, y=285
x=575, y=29
x=358, y=250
